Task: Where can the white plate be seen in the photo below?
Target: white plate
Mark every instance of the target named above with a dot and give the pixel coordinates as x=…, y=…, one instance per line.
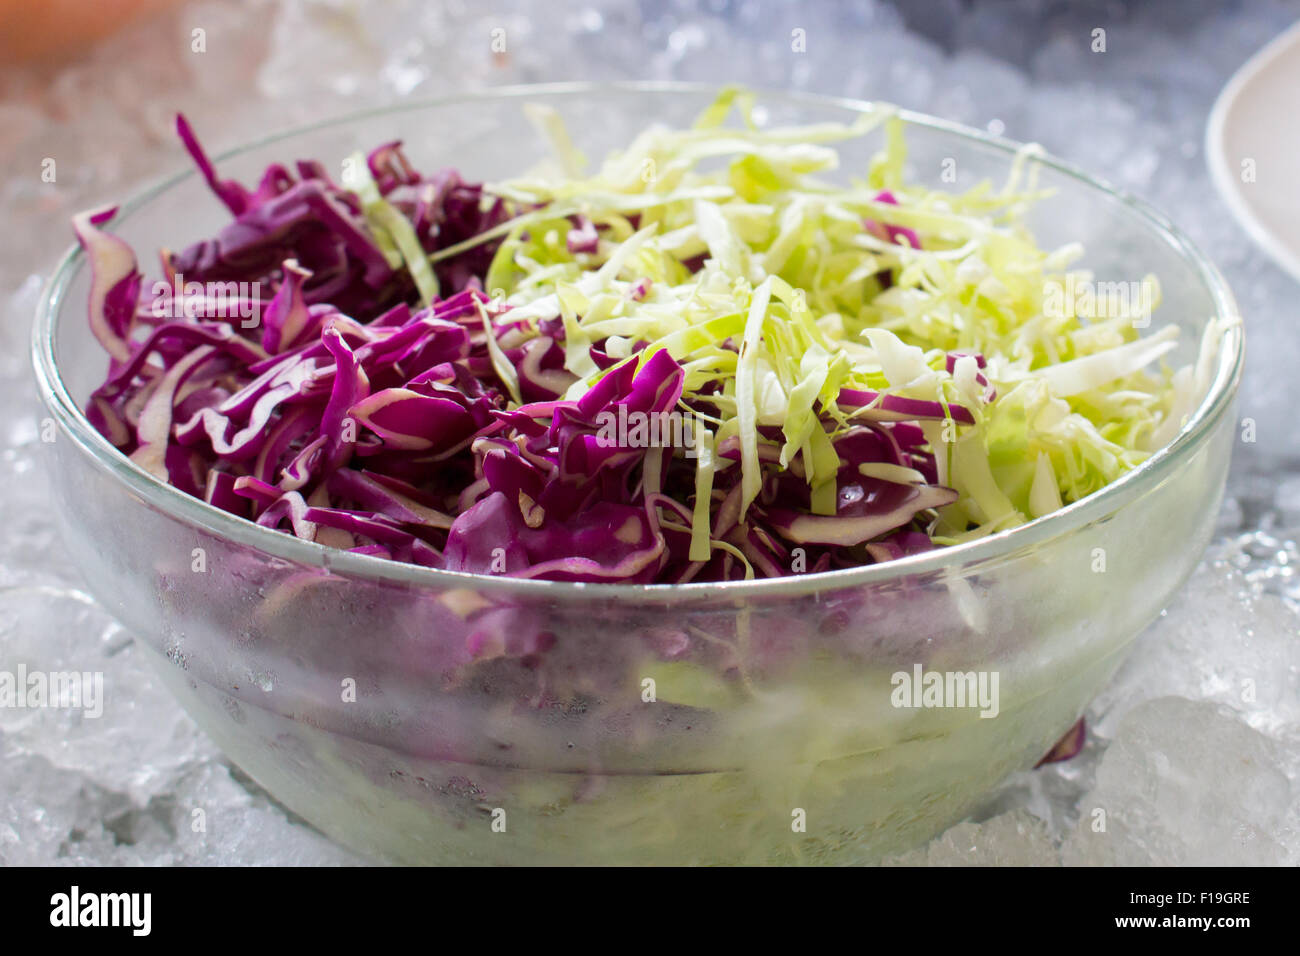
x=1254, y=131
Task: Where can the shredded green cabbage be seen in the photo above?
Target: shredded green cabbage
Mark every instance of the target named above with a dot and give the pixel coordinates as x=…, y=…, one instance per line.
x=803, y=293
x=393, y=232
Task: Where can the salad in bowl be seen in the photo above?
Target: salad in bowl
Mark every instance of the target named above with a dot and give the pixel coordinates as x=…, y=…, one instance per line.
x=749, y=496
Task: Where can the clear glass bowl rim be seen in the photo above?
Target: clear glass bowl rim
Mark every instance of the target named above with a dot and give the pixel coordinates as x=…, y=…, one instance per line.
x=1002, y=545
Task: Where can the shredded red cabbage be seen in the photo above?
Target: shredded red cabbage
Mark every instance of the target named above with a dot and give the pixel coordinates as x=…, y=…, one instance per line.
x=347, y=413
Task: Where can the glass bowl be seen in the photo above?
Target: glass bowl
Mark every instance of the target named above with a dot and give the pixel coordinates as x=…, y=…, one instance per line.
x=421, y=716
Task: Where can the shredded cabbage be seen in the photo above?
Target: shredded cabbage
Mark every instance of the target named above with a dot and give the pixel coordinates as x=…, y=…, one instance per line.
x=878, y=287
x=707, y=359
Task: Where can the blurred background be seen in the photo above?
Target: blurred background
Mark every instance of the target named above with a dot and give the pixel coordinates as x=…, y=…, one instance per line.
x=88, y=93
